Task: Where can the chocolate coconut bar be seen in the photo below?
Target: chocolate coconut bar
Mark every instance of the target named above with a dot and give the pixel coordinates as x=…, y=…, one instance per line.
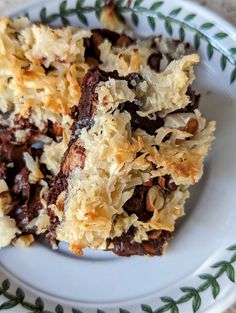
x=138, y=142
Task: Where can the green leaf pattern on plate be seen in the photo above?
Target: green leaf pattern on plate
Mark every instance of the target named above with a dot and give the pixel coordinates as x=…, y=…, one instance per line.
x=189, y=17
x=223, y=62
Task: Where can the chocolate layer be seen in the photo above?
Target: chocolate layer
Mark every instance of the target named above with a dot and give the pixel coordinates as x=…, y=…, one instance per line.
x=126, y=246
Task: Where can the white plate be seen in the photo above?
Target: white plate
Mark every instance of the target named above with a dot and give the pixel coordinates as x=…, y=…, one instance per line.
x=198, y=271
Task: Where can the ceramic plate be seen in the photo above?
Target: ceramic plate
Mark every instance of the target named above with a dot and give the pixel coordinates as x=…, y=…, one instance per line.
x=198, y=272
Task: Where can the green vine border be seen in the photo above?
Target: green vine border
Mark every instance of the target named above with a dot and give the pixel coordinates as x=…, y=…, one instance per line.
x=171, y=305
x=153, y=15
x=135, y=8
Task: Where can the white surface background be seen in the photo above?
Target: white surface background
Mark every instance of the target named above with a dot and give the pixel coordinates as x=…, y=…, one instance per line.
x=226, y=8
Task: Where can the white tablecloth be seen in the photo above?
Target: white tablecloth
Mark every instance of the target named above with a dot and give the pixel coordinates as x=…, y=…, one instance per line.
x=226, y=8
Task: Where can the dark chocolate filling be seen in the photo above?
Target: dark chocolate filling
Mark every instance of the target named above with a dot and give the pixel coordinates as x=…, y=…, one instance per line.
x=126, y=246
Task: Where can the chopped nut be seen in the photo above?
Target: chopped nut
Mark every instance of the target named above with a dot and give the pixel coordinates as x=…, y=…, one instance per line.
x=171, y=186
x=57, y=130
x=42, y=221
x=154, y=61
x=111, y=246
x=109, y=18
x=23, y=241
x=8, y=231
x=166, y=183
x=149, y=248
x=97, y=39
x=192, y=126
x=154, y=199
x=33, y=166
x=161, y=182
x=91, y=215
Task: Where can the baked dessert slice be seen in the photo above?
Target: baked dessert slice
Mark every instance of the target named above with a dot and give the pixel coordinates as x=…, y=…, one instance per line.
x=138, y=142
x=41, y=72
